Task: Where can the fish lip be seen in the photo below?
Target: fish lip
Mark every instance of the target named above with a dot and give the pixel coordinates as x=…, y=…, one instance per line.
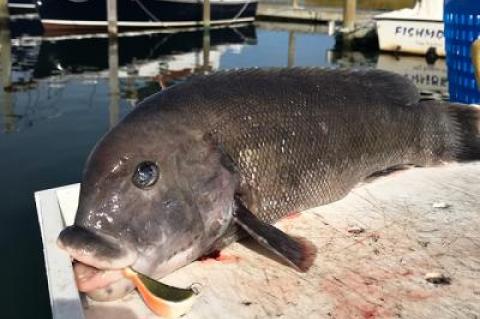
x=100, y=253
x=95, y=249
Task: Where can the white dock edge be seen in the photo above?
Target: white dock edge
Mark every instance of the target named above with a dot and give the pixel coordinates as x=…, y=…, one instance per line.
x=375, y=248
x=64, y=297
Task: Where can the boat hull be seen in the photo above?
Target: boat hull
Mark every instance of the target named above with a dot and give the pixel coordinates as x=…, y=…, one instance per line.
x=61, y=14
x=411, y=36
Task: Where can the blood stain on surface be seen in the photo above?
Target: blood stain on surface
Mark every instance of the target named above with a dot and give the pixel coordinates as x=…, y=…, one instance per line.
x=213, y=255
x=369, y=313
x=370, y=292
x=217, y=256
x=292, y=215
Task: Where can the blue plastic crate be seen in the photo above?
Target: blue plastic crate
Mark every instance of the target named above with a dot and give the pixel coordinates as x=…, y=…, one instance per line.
x=462, y=27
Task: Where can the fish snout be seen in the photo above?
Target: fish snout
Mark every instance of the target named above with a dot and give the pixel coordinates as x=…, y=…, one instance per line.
x=95, y=249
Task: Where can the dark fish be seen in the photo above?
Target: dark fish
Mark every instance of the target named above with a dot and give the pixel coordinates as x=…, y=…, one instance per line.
x=222, y=156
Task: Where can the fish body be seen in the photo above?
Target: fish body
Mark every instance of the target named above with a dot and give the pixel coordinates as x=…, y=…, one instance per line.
x=219, y=157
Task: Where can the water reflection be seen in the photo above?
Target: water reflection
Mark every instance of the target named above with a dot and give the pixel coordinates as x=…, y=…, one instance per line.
x=114, y=84
x=88, y=54
x=291, y=49
x=6, y=78
x=134, y=65
x=430, y=78
x=138, y=64
x=206, y=50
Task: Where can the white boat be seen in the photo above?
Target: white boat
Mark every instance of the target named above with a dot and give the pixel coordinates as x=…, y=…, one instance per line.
x=417, y=30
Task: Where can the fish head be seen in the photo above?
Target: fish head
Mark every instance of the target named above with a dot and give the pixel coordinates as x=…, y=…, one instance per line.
x=155, y=196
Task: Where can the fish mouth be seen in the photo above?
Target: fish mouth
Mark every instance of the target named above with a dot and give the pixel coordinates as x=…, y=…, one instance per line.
x=90, y=279
x=98, y=259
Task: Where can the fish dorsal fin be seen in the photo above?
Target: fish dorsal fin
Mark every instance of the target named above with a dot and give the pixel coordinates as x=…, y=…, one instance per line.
x=395, y=86
x=296, y=252
x=378, y=85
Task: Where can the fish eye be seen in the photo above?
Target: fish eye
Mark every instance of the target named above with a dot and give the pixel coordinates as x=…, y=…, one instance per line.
x=145, y=175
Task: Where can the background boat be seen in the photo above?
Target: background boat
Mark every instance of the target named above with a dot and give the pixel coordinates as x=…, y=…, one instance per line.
x=60, y=14
x=418, y=30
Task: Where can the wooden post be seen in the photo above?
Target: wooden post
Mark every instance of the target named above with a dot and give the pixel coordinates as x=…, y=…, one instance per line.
x=206, y=50
x=291, y=49
x=295, y=3
x=112, y=16
x=349, y=10
x=114, y=107
x=206, y=13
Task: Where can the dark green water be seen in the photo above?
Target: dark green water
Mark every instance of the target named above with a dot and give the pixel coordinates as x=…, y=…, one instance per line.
x=58, y=107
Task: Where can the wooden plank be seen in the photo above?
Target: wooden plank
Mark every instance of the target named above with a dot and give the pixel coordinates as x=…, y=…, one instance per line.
x=374, y=249
x=378, y=273
x=67, y=197
x=64, y=296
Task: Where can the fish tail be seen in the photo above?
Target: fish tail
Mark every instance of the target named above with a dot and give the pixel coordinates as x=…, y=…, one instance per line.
x=467, y=120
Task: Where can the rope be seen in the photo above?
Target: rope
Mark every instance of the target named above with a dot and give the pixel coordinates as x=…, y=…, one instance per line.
x=241, y=11
x=150, y=14
x=153, y=17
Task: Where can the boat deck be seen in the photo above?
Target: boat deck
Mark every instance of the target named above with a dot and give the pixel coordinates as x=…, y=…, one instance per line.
x=375, y=249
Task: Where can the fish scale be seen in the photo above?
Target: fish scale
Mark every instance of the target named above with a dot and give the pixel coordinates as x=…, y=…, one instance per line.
x=301, y=138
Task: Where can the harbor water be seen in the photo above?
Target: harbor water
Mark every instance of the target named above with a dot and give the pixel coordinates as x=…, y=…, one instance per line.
x=56, y=104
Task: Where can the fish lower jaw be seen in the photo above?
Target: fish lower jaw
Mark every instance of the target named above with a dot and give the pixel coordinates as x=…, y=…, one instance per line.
x=89, y=278
x=101, y=278
x=101, y=285
x=161, y=269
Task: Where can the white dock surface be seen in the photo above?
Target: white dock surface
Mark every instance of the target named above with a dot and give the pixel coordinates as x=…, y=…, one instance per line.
x=377, y=273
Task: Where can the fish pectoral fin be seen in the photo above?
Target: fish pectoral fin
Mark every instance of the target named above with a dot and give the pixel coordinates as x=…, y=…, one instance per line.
x=296, y=252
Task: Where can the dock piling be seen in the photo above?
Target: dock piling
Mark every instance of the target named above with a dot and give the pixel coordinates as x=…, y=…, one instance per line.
x=112, y=17
x=349, y=12
x=206, y=13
